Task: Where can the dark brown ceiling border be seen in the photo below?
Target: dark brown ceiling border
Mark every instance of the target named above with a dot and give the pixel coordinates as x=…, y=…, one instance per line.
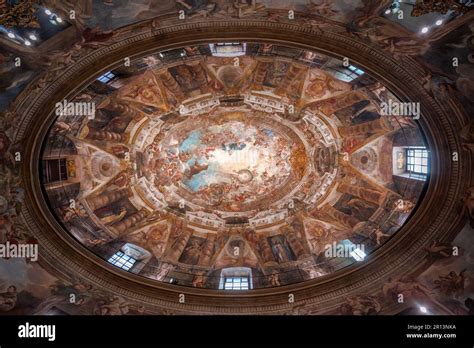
x=437, y=217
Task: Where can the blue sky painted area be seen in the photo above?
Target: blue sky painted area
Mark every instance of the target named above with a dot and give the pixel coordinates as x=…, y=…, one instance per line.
x=198, y=180
x=191, y=142
x=208, y=176
x=202, y=179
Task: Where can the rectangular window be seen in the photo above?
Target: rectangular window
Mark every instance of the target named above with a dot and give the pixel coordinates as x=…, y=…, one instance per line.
x=122, y=261
x=236, y=283
x=417, y=161
x=346, y=74
x=54, y=170
x=228, y=49
x=107, y=77
x=356, y=70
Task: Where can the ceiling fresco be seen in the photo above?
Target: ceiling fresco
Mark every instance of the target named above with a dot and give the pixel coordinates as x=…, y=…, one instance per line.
x=247, y=155
x=236, y=152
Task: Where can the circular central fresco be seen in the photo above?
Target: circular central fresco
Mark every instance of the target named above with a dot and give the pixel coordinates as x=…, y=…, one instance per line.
x=251, y=163
x=226, y=162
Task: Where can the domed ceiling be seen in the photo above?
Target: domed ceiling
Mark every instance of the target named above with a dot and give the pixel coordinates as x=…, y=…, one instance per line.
x=231, y=157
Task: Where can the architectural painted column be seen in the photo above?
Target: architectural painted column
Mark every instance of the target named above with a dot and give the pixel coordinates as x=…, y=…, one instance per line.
x=207, y=249
x=266, y=250
x=368, y=195
x=106, y=198
x=333, y=104
x=200, y=76
x=295, y=244
x=121, y=108
x=179, y=244
x=122, y=226
x=379, y=125
x=259, y=75
x=290, y=75
x=171, y=84
x=339, y=216
x=106, y=135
